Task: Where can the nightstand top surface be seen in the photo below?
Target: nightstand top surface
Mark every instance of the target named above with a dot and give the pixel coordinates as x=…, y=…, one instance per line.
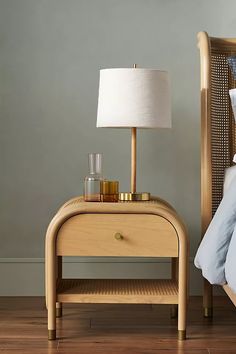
x=79, y=202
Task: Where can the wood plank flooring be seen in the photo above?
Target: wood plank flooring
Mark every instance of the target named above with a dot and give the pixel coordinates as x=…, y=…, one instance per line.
x=103, y=329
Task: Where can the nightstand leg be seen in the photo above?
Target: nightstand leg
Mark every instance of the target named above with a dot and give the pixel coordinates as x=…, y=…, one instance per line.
x=174, y=311
x=207, y=299
x=208, y=312
x=183, y=290
x=51, y=291
x=51, y=318
x=59, y=276
x=174, y=275
x=58, y=309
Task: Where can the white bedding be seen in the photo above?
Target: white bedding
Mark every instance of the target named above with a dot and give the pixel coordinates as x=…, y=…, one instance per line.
x=232, y=94
x=216, y=255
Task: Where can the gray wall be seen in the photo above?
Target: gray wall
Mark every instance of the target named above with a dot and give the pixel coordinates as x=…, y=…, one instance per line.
x=50, y=55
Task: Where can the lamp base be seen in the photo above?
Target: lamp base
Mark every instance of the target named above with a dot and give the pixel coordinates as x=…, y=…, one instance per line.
x=134, y=197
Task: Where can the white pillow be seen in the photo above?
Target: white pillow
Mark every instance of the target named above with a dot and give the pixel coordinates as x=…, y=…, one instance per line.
x=230, y=173
x=232, y=94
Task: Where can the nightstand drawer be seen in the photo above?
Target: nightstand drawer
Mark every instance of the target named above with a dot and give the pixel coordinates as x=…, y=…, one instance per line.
x=130, y=235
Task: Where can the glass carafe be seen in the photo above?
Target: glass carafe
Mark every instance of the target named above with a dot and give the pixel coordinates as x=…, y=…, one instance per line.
x=92, y=189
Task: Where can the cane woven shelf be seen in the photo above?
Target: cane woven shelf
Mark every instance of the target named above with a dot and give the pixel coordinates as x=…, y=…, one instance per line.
x=218, y=130
x=142, y=291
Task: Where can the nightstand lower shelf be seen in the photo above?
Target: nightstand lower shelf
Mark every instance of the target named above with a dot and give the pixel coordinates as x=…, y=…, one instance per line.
x=133, y=291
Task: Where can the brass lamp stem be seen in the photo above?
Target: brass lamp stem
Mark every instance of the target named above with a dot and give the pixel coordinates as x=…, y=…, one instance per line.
x=133, y=155
x=133, y=159
x=133, y=195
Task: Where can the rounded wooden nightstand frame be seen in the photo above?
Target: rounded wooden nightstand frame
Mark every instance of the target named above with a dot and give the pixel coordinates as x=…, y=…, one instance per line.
x=156, y=217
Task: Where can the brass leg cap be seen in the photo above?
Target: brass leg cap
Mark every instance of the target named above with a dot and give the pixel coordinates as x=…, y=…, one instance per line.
x=208, y=312
x=174, y=311
x=51, y=334
x=182, y=334
x=59, y=312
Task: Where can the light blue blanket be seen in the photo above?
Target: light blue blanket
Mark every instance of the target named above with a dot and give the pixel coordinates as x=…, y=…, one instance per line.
x=216, y=255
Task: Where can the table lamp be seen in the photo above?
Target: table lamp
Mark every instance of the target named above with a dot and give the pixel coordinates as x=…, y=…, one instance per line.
x=134, y=98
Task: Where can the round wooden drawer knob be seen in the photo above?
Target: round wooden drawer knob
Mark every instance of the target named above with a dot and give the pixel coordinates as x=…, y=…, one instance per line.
x=118, y=236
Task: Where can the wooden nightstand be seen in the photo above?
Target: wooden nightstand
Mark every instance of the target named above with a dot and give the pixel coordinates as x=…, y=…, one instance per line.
x=133, y=229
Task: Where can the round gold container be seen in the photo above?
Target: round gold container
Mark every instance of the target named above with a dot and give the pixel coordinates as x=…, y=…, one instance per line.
x=109, y=191
x=134, y=197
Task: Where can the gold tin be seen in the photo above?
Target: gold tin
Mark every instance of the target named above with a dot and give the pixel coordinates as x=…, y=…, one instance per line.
x=109, y=191
x=134, y=197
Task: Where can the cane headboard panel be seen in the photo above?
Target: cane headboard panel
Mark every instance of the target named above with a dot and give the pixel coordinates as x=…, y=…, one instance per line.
x=218, y=130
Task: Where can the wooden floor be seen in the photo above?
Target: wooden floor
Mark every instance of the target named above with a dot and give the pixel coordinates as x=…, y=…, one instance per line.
x=112, y=329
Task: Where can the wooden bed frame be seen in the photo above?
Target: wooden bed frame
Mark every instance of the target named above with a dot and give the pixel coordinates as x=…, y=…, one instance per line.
x=218, y=133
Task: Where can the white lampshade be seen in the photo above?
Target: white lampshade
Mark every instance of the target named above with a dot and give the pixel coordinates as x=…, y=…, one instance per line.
x=134, y=97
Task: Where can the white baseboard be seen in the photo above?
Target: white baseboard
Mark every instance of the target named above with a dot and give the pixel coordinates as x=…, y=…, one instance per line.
x=25, y=276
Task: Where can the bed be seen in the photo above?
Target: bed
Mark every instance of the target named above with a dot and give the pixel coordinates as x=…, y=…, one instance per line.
x=218, y=134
